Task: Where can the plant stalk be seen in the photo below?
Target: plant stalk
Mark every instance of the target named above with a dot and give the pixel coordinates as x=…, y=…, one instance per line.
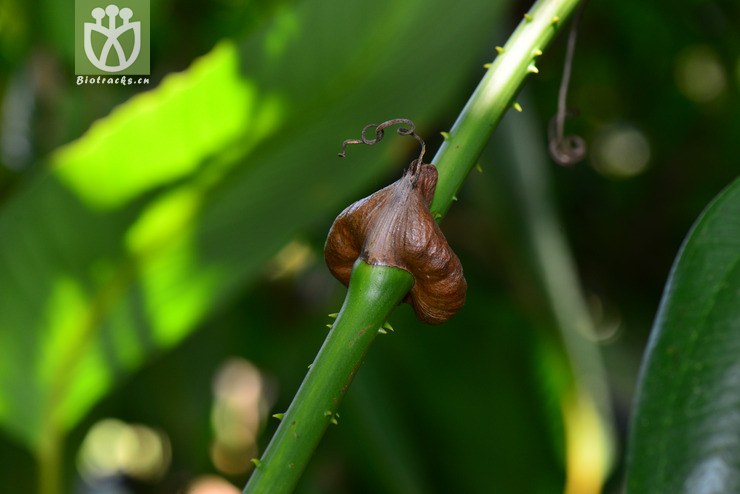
x=589, y=426
x=494, y=95
x=49, y=460
x=374, y=291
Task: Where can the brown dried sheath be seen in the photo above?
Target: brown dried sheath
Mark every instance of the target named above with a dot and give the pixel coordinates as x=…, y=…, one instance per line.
x=393, y=227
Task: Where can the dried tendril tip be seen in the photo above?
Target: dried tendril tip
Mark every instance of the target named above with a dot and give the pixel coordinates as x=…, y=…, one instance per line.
x=380, y=132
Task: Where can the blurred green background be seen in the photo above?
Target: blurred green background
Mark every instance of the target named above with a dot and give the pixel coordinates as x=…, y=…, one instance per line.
x=162, y=287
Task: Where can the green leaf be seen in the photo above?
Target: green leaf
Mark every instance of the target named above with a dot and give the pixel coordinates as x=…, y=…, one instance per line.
x=137, y=231
x=685, y=434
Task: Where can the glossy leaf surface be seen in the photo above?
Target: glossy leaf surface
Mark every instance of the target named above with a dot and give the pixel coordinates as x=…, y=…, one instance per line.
x=685, y=435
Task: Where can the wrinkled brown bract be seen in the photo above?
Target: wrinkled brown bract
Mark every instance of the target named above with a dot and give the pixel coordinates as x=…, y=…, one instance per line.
x=393, y=227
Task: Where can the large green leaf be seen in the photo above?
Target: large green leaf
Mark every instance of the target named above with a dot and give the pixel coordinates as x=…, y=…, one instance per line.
x=686, y=431
x=139, y=229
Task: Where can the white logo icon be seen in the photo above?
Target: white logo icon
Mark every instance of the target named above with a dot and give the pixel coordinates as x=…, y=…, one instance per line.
x=112, y=33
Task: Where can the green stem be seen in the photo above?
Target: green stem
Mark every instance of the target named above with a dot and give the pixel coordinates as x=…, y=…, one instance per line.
x=558, y=275
x=373, y=293
x=493, y=96
x=49, y=462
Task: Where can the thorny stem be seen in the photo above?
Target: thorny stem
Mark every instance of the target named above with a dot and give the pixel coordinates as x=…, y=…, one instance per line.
x=494, y=96
x=374, y=291
x=365, y=309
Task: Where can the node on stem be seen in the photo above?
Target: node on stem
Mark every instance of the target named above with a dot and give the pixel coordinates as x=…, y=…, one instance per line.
x=393, y=227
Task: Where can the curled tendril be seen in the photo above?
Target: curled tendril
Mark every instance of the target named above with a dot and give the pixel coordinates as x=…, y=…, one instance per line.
x=566, y=150
x=380, y=132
